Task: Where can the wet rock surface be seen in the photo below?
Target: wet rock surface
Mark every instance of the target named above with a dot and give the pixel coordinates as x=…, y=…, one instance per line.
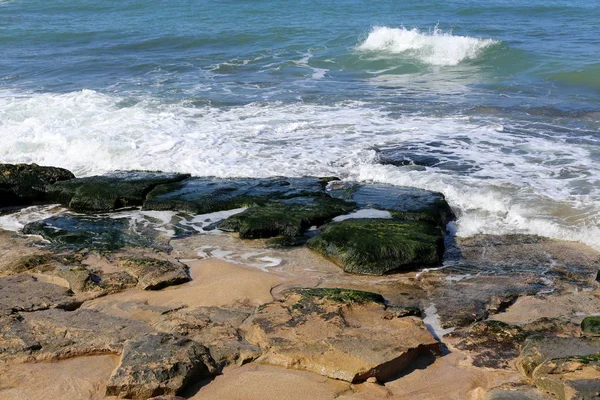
x=22, y=184
x=106, y=193
x=94, y=232
x=206, y=195
x=330, y=335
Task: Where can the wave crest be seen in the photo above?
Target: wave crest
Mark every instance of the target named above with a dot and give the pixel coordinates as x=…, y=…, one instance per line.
x=434, y=48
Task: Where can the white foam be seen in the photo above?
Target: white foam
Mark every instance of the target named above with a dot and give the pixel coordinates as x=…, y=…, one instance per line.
x=365, y=213
x=434, y=48
x=17, y=220
x=519, y=187
x=433, y=323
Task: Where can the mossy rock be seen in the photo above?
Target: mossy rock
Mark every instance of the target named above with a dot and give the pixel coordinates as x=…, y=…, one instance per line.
x=109, y=192
x=94, y=233
x=378, y=246
x=591, y=326
x=22, y=184
x=288, y=218
x=208, y=194
x=345, y=296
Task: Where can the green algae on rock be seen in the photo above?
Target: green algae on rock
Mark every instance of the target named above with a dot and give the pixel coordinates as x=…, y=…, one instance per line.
x=591, y=326
x=378, y=246
x=22, y=184
x=107, y=193
x=287, y=217
x=342, y=295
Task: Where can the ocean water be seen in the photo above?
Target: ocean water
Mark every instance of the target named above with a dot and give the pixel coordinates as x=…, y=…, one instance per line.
x=505, y=94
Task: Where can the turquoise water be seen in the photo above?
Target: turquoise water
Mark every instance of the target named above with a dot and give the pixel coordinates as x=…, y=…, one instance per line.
x=505, y=94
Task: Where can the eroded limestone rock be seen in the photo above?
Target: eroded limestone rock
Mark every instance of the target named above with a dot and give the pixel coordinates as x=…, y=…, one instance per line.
x=347, y=341
x=159, y=364
x=567, y=367
x=153, y=273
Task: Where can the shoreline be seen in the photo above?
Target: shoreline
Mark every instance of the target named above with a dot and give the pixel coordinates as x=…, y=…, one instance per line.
x=251, y=313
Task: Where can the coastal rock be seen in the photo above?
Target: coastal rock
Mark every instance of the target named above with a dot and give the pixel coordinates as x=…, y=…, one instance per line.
x=286, y=218
x=25, y=293
x=216, y=328
x=377, y=246
x=207, y=195
x=94, y=233
x=494, y=343
x=153, y=273
x=339, y=333
x=400, y=156
x=159, y=364
x=107, y=193
x=404, y=203
x=590, y=326
x=57, y=334
x=567, y=367
x=22, y=184
x=487, y=274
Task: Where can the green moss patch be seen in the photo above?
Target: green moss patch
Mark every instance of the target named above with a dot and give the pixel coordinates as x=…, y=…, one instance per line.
x=342, y=295
x=285, y=218
x=377, y=246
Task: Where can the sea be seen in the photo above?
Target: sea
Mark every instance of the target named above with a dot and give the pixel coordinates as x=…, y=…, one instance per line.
x=501, y=96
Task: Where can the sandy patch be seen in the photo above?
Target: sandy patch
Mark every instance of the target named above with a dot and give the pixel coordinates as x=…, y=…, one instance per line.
x=214, y=283
x=76, y=378
x=263, y=382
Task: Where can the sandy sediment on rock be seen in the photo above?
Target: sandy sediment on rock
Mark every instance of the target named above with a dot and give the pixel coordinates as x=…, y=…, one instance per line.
x=75, y=378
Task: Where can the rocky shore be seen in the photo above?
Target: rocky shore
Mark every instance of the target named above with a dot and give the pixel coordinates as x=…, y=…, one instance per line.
x=145, y=285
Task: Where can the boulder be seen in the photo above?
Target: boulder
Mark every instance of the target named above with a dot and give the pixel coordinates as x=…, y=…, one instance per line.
x=377, y=246
x=567, y=367
x=286, y=218
x=339, y=334
x=23, y=184
x=107, y=193
x=153, y=273
x=158, y=364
